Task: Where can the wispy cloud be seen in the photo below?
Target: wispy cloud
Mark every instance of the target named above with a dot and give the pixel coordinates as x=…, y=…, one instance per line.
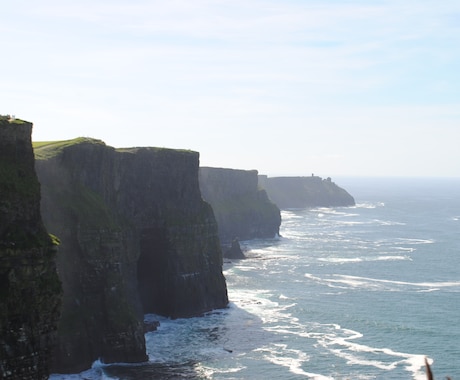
x=289, y=67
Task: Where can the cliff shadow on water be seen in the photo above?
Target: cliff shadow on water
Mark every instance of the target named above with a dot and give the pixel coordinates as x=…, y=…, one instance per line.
x=136, y=237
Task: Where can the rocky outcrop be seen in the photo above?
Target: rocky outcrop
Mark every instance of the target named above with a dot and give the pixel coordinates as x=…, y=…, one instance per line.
x=300, y=192
x=136, y=238
x=242, y=210
x=234, y=251
x=29, y=286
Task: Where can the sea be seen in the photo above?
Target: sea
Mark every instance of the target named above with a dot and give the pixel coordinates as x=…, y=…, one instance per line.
x=363, y=292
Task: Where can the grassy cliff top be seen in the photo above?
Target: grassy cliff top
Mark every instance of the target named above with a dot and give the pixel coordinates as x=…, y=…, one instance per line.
x=7, y=119
x=48, y=149
x=154, y=149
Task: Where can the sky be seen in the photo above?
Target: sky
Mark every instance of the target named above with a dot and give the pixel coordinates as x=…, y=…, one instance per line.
x=287, y=87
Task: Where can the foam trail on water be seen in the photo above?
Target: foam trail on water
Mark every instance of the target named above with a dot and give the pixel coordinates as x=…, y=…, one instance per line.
x=343, y=345
x=369, y=205
x=345, y=260
x=346, y=281
x=417, y=284
x=94, y=373
x=280, y=354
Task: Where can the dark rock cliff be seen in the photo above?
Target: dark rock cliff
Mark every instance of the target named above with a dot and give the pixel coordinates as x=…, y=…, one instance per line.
x=136, y=237
x=299, y=192
x=242, y=210
x=29, y=286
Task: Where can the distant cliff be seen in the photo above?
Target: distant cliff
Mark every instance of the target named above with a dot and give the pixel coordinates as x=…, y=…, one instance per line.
x=299, y=192
x=242, y=210
x=136, y=237
x=29, y=286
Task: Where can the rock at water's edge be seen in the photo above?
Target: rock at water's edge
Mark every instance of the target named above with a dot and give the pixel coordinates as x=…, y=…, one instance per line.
x=234, y=252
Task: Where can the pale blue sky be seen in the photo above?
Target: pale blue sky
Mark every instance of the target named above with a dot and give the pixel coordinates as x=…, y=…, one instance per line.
x=288, y=87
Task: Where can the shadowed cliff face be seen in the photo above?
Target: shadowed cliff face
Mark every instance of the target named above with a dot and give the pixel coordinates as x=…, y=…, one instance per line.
x=300, y=192
x=242, y=210
x=135, y=237
x=178, y=232
x=29, y=286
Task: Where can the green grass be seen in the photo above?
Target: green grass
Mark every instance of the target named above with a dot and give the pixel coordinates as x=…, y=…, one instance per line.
x=54, y=240
x=154, y=149
x=48, y=149
x=7, y=119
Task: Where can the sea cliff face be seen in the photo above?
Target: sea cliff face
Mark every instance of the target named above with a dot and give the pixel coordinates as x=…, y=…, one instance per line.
x=300, y=192
x=30, y=290
x=136, y=238
x=242, y=210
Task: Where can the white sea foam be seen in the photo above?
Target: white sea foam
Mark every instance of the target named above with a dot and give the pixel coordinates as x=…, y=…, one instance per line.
x=345, y=260
x=340, y=212
x=346, y=281
x=209, y=372
x=388, y=222
x=340, y=260
x=329, y=336
x=416, y=284
x=392, y=258
x=369, y=205
x=416, y=365
x=349, y=223
x=292, y=359
x=342, y=344
x=407, y=249
x=94, y=373
x=415, y=241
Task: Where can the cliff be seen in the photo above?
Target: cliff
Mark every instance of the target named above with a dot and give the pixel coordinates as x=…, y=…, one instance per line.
x=136, y=238
x=242, y=210
x=29, y=286
x=300, y=192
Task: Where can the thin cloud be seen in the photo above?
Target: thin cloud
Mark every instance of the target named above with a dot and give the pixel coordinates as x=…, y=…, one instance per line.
x=277, y=73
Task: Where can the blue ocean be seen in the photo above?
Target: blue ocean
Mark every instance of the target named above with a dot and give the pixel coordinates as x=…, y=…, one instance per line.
x=364, y=292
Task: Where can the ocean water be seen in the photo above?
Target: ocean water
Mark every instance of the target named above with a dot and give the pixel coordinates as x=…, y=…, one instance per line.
x=364, y=292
